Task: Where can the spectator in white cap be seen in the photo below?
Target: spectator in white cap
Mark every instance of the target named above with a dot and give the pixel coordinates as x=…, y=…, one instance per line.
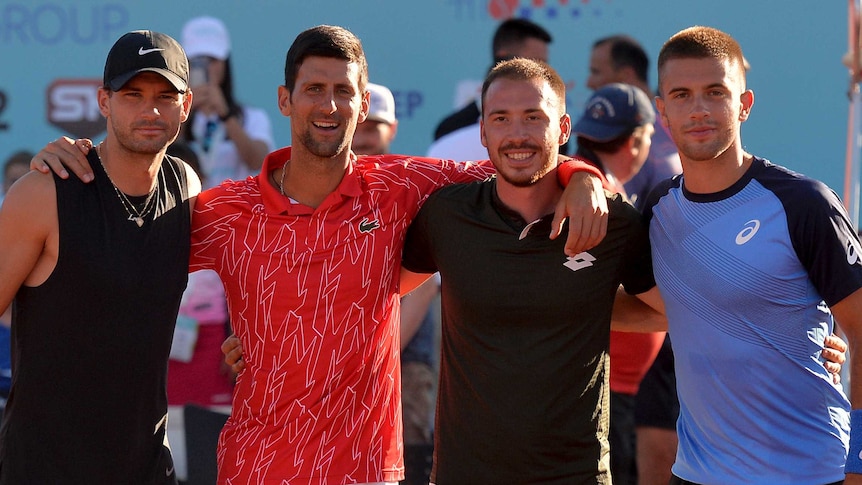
x=375, y=135
x=230, y=139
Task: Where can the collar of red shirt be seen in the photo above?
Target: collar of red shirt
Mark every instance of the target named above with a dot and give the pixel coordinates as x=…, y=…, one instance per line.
x=275, y=203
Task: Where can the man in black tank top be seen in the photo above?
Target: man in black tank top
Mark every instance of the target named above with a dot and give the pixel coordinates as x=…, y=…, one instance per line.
x=97, y=271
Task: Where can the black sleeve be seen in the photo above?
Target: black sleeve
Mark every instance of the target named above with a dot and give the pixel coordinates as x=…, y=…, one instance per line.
x=418, y=255
x=637, y=275
x=823, y=237
x=660, y=190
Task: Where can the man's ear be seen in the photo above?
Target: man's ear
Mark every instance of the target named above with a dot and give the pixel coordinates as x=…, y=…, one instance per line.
x=747, y=100
x=187, y=105
x=366, y=106
x=284, y=100
x=659, y=106
x=103, y=96
x=565, y=129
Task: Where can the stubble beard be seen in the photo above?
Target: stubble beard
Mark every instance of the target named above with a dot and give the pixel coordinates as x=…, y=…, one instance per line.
x=142, y=146
x=323, y=149
x=524, y=180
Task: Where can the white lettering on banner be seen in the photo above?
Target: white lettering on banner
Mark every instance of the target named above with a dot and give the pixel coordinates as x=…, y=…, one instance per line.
x=73, y=102
x=73, y=106
x=62, y=22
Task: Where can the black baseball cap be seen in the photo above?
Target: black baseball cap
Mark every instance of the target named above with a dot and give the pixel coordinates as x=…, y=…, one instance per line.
x=145, y=50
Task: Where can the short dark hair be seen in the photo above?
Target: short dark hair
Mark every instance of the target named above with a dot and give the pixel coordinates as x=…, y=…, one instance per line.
x=521, y=69
x=325, y=41
x=700, y=42
x=516, y=31
x=627, y=52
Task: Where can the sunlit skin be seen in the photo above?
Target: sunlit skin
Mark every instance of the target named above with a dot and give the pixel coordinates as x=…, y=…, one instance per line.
x=523, y=125
x=324, y=109
x=145, y=114
x=703, y=102
x=143, y=118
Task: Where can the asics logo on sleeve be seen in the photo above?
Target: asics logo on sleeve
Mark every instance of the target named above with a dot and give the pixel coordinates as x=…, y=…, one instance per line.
x=142, y=51
x=747, y=232
x=368, y=226
x=579, y=261
x=852, y=253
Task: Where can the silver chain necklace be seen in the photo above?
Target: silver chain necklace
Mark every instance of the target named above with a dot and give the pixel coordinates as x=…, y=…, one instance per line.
x=281, y=185
x=135, y=215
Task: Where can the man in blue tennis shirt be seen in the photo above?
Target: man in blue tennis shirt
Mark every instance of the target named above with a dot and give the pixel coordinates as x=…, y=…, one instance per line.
x=751, y=259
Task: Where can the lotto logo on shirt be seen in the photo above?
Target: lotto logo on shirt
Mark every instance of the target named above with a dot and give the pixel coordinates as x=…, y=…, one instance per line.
x=579, y=261
x=73, y=107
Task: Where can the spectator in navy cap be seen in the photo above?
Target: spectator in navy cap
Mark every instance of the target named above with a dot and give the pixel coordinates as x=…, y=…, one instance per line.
x=615, y=131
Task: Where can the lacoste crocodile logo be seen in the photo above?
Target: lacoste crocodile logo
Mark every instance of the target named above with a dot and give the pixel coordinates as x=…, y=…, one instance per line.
x=368, y=226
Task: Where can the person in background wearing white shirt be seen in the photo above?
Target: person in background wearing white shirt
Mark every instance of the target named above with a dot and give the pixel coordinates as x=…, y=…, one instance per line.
x=230, y=139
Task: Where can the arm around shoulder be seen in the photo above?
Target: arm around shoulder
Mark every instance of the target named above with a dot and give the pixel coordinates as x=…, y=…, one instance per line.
x=643, y=312
x=848, y=314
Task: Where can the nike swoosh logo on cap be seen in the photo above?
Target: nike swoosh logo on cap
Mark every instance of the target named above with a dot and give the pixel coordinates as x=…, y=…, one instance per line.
x=143, y=51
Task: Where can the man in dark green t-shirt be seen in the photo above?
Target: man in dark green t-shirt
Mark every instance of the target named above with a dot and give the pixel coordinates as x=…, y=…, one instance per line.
x=524, y=364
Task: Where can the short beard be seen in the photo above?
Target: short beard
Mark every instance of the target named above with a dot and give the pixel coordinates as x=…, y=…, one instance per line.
x=323, y=150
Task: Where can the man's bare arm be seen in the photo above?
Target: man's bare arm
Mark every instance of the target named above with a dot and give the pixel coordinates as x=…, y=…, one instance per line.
x=639, y=313
x=414, y=307
x=28, y=218
x=585, y=205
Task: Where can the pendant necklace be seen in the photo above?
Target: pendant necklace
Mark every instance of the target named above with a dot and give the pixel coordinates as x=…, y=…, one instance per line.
x=135, y=215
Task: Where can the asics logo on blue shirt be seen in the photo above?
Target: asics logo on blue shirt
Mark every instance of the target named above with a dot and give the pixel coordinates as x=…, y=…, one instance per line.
x=579, y=261
x=748, y=232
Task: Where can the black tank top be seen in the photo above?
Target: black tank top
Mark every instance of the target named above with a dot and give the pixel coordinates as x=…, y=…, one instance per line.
x=90, y=345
